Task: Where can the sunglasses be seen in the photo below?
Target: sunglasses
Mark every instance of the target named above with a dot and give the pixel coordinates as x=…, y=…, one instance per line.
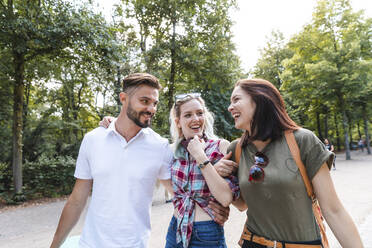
x=256, y=172
x=181, y=97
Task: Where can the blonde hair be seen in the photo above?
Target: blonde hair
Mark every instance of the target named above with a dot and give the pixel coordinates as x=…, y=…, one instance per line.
x=175, y=113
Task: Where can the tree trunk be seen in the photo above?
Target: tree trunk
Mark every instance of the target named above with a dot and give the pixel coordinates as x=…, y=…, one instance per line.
x=319, y=126
x=171, y=86
x=326, y=125
x=337, y=133
x=19, y=67
x=359, y=132
x=118, y=89
x=25, y=107
x=346, y=132
x=365, y=119
x=350, y=124
x=66, y=110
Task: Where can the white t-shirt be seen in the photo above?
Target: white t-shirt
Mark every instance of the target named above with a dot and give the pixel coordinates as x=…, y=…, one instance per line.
x=124, y=176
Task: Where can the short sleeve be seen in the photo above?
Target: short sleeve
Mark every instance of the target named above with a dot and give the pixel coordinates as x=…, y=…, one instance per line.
x=165, y=169
x=313, y=152
x=231, y=148
x=82, y=170
x=232, y=180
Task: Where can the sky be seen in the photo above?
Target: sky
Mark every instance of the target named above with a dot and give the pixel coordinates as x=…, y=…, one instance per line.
x=255, y=20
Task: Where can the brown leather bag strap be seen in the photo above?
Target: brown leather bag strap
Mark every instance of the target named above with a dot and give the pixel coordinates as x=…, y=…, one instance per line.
x=293, y=147
x=238, y=152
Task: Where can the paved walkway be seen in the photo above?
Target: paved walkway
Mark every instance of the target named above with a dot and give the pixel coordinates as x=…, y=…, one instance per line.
x=34, y=226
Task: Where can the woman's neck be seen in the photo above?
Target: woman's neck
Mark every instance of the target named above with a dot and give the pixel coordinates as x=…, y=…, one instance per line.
x=260, y=145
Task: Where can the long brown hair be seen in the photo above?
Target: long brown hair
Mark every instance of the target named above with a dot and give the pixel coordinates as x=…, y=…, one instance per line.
x=270, y=118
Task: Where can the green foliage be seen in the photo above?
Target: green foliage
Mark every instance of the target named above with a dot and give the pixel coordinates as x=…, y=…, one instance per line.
x=48, y=43
x=71, y=63
x=188, y=46
x=5, y=178
x=49, y=176
x=269, y=66
x=324, y=71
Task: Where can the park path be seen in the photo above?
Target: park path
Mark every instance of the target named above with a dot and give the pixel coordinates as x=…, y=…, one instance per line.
x=34, y=226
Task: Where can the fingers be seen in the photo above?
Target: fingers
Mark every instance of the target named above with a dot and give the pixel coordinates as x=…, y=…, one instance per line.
x=220, y=219
x=224, y=171
x=195, y=140
x=226, y=160
x=228, y=155
x=106, y=121
x=221, y=214
x=225, y=167
x=218, y=208
x=230, y=163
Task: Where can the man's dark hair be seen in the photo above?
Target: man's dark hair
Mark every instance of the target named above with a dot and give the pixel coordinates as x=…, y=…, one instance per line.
x=270, y=118
x=135, y=80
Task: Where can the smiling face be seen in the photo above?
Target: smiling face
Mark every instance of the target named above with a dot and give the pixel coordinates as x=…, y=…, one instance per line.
x=141, y=105
x=191, y=120
x=242, y=109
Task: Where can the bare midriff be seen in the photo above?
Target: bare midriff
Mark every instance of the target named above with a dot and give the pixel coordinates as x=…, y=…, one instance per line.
x=200, y=214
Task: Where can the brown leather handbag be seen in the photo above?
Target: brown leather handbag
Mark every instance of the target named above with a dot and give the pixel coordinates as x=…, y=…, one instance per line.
x=295, y=151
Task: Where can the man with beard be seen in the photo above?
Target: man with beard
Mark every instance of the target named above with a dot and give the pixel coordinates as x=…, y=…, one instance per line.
x=120, y=166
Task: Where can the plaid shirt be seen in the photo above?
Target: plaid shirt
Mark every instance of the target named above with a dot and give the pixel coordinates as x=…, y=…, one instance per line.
x=190, y=187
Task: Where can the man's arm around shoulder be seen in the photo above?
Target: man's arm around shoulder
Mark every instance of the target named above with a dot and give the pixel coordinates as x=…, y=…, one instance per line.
x=72, y=210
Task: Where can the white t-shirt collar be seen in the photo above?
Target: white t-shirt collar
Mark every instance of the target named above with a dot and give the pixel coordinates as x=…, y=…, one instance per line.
x=111, y=128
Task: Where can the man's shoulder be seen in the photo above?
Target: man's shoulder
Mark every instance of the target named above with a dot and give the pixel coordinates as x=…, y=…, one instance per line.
x=96, y=133
x=155, y=137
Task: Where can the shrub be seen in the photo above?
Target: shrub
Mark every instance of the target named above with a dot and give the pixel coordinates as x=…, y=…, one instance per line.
x=49, y=177
x=5, y=177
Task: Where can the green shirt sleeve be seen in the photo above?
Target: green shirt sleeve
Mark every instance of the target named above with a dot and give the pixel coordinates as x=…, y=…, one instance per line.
x=232, y=149
x=313, y=152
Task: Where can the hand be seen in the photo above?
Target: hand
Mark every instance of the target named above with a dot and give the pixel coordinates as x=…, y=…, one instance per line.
x=225, y=167
x=196, y=149
x=221, y=214
x=106, y=121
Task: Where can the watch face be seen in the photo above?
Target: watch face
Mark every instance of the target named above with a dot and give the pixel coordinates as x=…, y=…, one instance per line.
x=201, y=166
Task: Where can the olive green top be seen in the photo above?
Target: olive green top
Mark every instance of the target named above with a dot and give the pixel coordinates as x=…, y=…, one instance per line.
x=279, y=207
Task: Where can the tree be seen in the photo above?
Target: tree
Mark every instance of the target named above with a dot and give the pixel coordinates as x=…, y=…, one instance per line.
x=30, y=30
x=269, y=66
x=324, y=69
x=187, y=44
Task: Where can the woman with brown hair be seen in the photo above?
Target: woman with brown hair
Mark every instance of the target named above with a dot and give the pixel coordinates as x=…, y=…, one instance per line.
x=279, y=209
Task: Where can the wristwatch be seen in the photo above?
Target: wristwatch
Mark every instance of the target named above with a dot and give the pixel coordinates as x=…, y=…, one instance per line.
x=202, y=165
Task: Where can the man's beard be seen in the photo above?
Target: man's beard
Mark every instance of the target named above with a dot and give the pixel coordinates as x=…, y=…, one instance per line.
x=135, y=117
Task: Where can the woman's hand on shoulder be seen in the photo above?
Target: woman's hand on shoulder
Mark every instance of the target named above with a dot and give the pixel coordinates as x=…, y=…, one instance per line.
x=105, y=122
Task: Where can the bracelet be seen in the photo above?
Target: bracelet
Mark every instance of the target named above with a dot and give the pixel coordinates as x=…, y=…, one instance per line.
x=202, y=165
